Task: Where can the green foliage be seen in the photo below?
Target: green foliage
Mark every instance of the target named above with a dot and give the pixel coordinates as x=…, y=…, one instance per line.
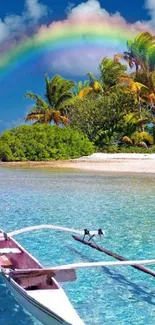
x=142, y=137
x=127, y=149
x=111, y=72
x=86, y=115
x=58, y=92
x=102, y=118
x=112, y=112
x=135, y=149
x=5, y=152
x=142, y=51
x=80, y=86
x=43, y=142
x=113, y=148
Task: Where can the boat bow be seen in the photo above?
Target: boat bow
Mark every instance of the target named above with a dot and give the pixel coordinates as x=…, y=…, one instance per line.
x=58, y=302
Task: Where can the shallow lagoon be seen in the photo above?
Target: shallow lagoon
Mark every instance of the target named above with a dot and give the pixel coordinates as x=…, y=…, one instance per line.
x=123, y=205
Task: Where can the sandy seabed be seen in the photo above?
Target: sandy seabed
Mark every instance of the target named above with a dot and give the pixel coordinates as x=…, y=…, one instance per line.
x=127, y=163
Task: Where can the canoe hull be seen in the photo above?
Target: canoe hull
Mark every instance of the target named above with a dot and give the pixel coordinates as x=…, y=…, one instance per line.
x=41, y=296
x=45, y=316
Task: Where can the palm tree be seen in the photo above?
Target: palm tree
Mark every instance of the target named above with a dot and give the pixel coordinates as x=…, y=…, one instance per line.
x=94, y=83
x=58, y=92
x=110, y=73
x=141, y=52
x=82, y=89
x=139, y=120
x=91, y=86
x=139, y=92
x=80, y=86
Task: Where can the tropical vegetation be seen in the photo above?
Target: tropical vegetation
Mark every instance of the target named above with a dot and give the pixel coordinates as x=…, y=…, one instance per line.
x=58, y=91
x=112, y=113
x=43, y=142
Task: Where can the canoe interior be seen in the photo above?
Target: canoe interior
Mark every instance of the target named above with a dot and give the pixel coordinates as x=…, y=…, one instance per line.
x=23, y=260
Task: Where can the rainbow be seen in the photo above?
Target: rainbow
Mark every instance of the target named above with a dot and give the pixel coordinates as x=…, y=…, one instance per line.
x=65, y=37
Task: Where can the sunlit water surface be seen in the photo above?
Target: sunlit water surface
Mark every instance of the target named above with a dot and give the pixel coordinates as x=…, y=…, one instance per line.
x=124, y=206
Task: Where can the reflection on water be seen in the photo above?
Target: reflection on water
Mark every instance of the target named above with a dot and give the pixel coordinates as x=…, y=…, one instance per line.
x=122, y=205
x=137, y=291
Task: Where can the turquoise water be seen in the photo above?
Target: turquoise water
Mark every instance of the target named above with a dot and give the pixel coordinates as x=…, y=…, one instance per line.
x=124, y=206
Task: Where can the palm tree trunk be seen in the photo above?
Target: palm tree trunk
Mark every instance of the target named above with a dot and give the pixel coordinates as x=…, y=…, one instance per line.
x=140, y=114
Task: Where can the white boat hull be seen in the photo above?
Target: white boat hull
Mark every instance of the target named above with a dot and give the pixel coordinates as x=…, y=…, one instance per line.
x=41, y=296
x=45, y=315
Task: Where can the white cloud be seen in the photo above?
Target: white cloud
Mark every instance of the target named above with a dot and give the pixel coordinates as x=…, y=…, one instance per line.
x=4, y=32
x=35, y=10
x=150, y=5
x=92, y=11
x=69, y=7
x=14, y=25
x=78, y=63
x=89, y=7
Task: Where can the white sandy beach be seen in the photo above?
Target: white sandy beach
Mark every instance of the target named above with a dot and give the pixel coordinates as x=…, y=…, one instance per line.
x=124, y=162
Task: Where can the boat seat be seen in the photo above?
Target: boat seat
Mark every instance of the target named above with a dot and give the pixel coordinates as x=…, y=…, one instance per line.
x=8, y=250
x=5, y=262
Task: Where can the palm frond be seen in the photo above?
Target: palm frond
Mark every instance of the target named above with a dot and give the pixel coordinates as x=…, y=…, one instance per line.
x=39, y=101
x=34, y=116
x=58, y=90
x=84, y=92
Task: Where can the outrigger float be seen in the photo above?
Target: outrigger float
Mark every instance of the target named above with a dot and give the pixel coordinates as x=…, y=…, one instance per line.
x=37, y=288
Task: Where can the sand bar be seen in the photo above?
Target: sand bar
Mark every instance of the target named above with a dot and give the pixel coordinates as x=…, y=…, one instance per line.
x=130, y=163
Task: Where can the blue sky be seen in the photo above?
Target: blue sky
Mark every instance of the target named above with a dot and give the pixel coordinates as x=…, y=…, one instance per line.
x=20, y=17
x=132, y=10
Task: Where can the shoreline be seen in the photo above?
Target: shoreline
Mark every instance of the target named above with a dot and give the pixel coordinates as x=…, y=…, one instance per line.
x=118, y=163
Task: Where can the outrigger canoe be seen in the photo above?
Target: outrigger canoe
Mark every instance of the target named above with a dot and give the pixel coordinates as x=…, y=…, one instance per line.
x=42, y=296
x=37, y=288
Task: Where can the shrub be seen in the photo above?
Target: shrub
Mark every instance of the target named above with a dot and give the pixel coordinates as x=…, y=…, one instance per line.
x=111, y=149
x=43, y=142
x=128, y=149
x=5, y=152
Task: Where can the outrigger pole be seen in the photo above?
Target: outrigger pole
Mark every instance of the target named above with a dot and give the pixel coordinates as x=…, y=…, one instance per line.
x=58, y=228
x=91, y=234
x=116, y=256
x=53, y=270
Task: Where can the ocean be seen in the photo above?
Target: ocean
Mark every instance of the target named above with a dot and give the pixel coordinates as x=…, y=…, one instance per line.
x=122, y=205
